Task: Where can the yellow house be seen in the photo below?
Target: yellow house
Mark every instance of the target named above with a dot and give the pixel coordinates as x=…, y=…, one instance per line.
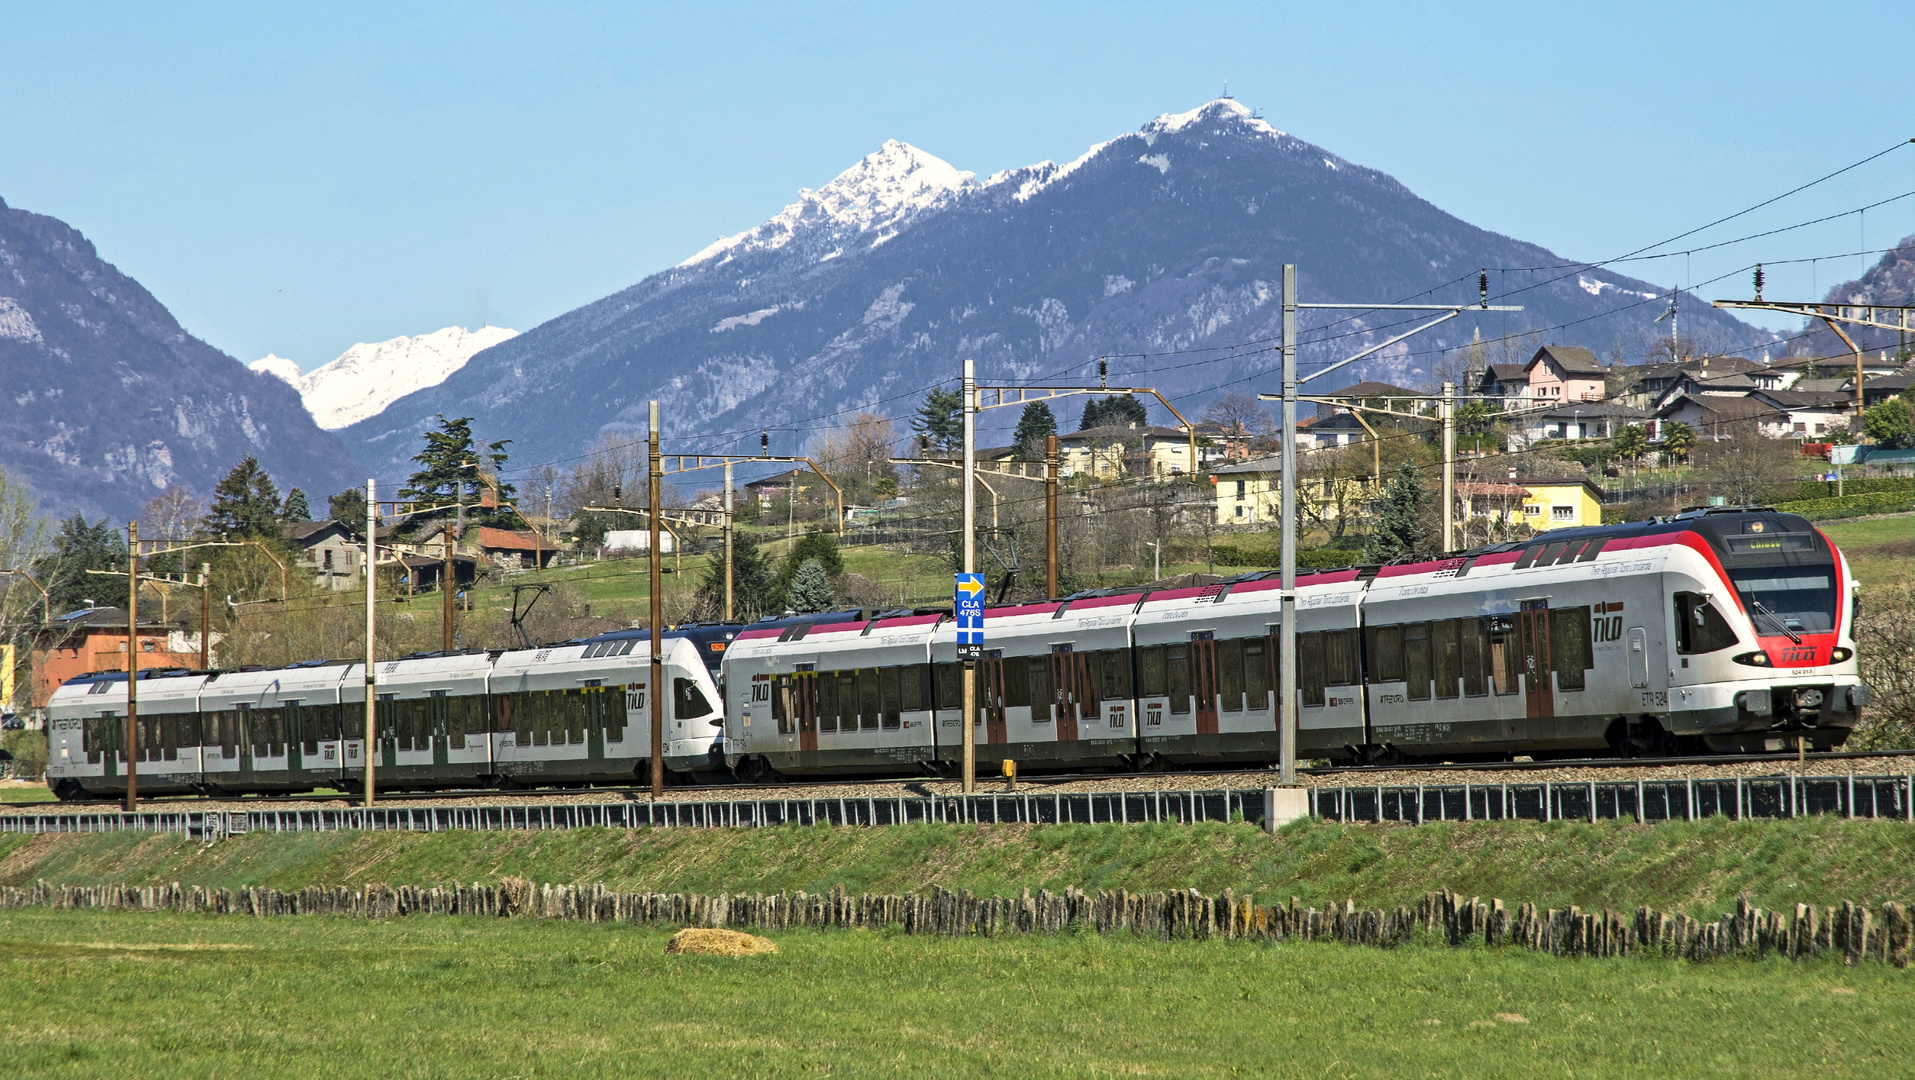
x=1114, y=453
x=1251, y=493
x=1560, y=503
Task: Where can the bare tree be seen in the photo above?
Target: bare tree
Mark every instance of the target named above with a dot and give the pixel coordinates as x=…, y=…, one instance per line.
x=614, y=467
x=174, y=512
x=1738, y=467
x=1239, y=414
x=858, y=455
x=540, y=495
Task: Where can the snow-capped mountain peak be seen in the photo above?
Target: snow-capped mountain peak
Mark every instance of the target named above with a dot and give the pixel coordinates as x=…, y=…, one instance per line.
x=370, y=376
x=279, y=367
x=880, y=194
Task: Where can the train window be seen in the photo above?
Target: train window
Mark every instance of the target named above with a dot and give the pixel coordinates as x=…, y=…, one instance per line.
x=1529, y=554
x=1230, y=674
x=890, y=683
x=688, y=701
x=1595, y=548
x=1700, y=628
x=1569, y=646
x=779, y=713
x=577, y=702
x=1444, y=656
x=1150, y=672
x=1017, y=681
x=1416, y=660
x=828, y=702
x=1340, y=666
x=1310, y=667
x=1042, y=692
x=615, y=716
x=1505, y=658
x=1089, y=681
x=1386, y=654
x=1113, y=675
x=1473, y=642
x=916, y=680
x=950, y=686
x=1177, y=677
x=229, y=732
x=1552, y=553
x=870, y=700
x=1256, y=672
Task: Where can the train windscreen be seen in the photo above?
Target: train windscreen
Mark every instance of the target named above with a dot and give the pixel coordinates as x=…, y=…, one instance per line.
x=1799, y=598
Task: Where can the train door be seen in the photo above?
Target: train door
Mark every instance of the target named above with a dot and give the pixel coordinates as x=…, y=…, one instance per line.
x=295, y=737
x=438, y=715
x=803, y=705
x=990, y=689
x=1638, y=657
x=595, y=723
x=1540, y=697
x=1203, y=679
x=1065, y=691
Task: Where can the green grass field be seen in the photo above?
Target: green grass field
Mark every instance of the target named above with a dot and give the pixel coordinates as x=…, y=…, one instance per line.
x=1697, y=868
x=159, y=995
x=1880, y=550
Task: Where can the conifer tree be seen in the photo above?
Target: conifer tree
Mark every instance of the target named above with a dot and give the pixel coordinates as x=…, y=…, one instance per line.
x=1034, y=424
x=811, y=589
x=296, y=508
x=754, y=591
x=449, y=471
x=78, y=547
x=1400, y=529
x=1117, y=410
x=245, y=504
x=941, y=419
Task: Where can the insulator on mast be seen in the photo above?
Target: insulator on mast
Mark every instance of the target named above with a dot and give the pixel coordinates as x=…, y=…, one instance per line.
x=1758, y=283
x=1103, y=373
x=1482, y=287
x=764, y=443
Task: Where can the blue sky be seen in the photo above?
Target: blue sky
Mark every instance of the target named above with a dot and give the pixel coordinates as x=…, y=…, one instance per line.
x=295, y=181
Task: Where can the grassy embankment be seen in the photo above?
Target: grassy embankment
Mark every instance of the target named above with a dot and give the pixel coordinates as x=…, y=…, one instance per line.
x=1697, y=868
x=167, y=995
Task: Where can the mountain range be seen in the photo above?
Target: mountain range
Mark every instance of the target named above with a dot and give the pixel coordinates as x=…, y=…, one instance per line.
x=107, y=400
x=370, y=376
x=1160, y=249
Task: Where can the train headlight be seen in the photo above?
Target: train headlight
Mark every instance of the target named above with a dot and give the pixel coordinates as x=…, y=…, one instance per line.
x=1839, y=654
x=1753, y=659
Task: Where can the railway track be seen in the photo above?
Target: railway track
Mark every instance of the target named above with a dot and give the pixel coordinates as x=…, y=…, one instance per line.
x=1264, y=777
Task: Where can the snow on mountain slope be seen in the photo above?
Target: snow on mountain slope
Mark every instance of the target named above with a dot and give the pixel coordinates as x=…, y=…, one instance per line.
x=1165, y=245
x=880, y=194
x=370, y=376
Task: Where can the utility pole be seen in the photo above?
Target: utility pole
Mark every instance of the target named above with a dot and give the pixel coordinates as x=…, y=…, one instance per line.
x=1448, y=409
x=1287, y=633
x=1287, y=555
x=966, y=721
x=372, y=657
x=132, y=754
x=205, y=616
x=728, y=603
x=1050, y=515
x=658, y=617
x=445, y=573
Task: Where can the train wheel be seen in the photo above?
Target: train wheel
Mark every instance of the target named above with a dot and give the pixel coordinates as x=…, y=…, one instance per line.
x=69, y=791
x=1643, y=738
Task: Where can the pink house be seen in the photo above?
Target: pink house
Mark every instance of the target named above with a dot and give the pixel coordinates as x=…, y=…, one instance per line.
x=1564, y=373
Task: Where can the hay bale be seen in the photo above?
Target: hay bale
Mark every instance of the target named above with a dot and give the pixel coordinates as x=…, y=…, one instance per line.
x=718, y=943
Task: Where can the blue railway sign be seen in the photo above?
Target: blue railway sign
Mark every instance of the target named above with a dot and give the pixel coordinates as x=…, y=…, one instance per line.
x=969, y=592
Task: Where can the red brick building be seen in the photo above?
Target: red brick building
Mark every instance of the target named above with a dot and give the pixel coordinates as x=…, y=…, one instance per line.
x=94, y=639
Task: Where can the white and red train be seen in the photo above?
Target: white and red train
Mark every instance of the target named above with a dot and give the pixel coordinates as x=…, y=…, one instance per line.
x=1723, y=631
x=1714, y=631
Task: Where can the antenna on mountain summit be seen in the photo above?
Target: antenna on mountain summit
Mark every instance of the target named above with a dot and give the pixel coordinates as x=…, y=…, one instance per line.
x=1226, y=89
